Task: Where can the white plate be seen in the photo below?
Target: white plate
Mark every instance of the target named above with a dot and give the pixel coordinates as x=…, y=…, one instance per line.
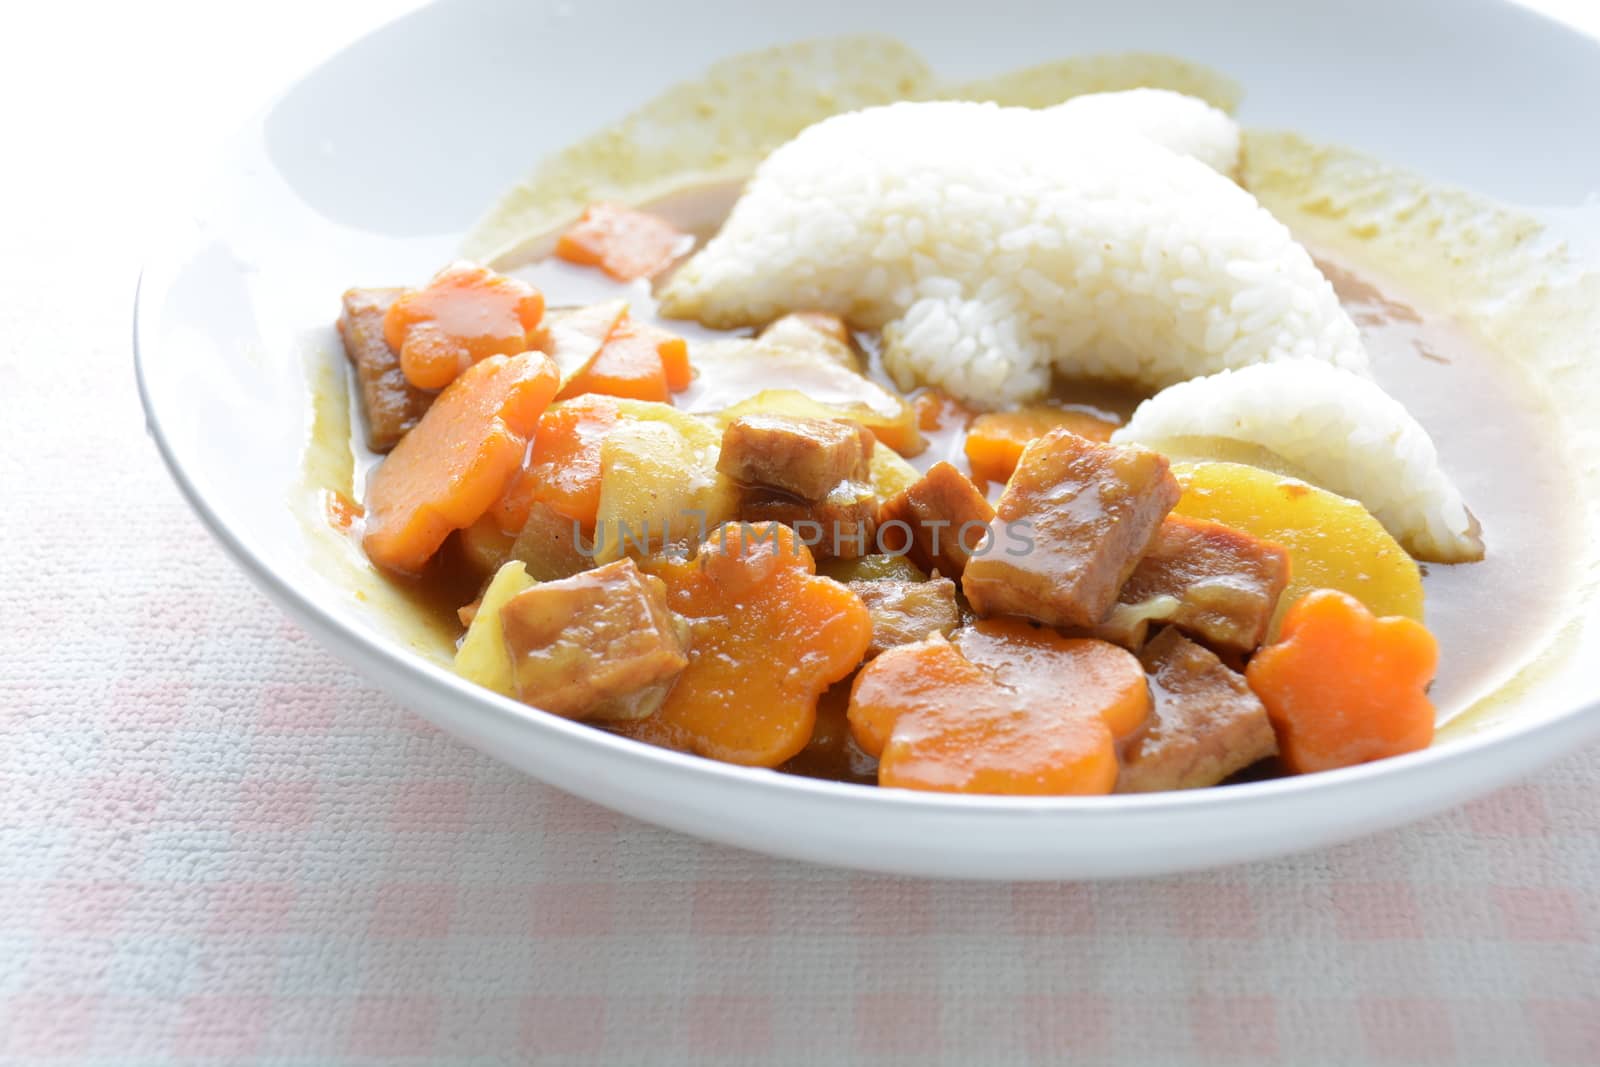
x=369, y=170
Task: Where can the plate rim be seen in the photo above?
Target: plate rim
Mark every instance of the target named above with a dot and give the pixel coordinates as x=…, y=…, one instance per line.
x=1560, y=730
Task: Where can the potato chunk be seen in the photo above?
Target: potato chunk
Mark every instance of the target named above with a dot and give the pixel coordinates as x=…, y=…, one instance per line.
x=939, y=520
x=1206, y=725
x=481, y=656
x=1071, y=526
x=806, y=457
x=599, y=645
x=659, y=485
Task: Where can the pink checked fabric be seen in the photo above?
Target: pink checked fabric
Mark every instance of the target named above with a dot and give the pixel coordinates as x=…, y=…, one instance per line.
x=218, y=846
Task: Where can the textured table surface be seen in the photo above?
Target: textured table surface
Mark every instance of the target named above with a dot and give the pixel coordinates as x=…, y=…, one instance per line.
x=219, y=845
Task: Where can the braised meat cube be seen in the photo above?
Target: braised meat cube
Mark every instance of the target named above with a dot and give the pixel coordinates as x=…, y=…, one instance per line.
x=1070, y=528
x=1213, y=581
x=1205, y=724
x=548, y=545
x=943, y=517
x=839, y=526
x=391, y=404
x=805, y=457
x=599, y=645
x=904, y=612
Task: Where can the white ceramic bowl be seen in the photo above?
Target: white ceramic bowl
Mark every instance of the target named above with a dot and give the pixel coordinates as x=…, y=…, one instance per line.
x=369, y=170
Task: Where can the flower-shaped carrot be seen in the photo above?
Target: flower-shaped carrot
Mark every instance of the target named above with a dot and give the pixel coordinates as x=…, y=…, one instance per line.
x=1007, y=709
x=769, y=636
x=1343, y=686
x=465, y=314
x=450, y=469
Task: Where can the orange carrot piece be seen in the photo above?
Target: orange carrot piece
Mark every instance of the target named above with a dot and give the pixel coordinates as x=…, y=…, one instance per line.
x=674, y=352
x=630, y=365
x=465, y=314
x=563, y=469
x=625, y=243
x=997, y=438
x=940, y=720
x=566, y=455
x=510, y=512
x=638, y=361
x=343, y=513
x=454, y=464
x=937, y=410
x=1034, y=660
x=769, y=637
x=1343, y=686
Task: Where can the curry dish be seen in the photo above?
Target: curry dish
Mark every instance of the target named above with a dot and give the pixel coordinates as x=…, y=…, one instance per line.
x=1047, y=487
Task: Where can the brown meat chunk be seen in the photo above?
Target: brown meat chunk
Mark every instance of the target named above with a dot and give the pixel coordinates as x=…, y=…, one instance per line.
x=600, y=645
x=904, y=612
x=1071, y=526
x=839, y=526
x=1205, y=724
x=944, y=517
x=805, y=457
x=548, y=545
x=391, y=404
x=1219, y=584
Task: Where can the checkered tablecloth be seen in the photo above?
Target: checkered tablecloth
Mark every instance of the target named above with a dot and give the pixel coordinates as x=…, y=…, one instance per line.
x=218, y=845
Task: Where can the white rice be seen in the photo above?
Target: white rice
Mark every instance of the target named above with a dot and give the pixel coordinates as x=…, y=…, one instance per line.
x=1339, y=431
x=994, y=244
x=1184, y=124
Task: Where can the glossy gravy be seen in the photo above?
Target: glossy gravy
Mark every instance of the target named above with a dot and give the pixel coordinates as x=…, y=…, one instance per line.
x=1484, y=418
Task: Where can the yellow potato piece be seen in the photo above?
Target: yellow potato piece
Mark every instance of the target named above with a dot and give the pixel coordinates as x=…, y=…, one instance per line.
x=658, y=474
x=482, y=655
x=1333, y=542
x=890, y=473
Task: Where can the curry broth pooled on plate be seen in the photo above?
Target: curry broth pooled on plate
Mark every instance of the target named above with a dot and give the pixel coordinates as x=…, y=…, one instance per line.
x=1488, y=616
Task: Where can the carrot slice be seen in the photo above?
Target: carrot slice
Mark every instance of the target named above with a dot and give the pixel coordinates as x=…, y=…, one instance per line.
x=449, y=470
x=465, y=314
x=674, y=352
x=639, y=362
x=996, y=440
x=769, y=637
x=564, y=471
x=937, y=410
x=625, y=243
x=1343, y=686
x=1019, y=714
